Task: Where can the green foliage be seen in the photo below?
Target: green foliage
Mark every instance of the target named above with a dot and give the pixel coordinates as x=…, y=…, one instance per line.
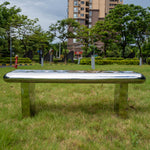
x=107, y=61
x=20, y=60
x=65, y=51
x=20, y=32
x=114, y=58
x=85, y=37
x=9, y=21
x=75, y=61
x=131, y=23
x=113, y=52
x=55, y=60
x=63, y=30
x=104, y=32
x=148, y=60
x=119, y=18
x=146, y=49
x=98, y=58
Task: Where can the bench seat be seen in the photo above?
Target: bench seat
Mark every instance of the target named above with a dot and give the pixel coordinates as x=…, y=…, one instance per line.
x=28, y=78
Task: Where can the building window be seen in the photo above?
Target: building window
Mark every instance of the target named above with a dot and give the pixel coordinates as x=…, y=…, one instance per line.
x=75, y=15
x=75, y=9
x=120, y=0
x=90, y=1
x=90, y=25
x=82, y=8
x=112, y=4
x=75, y=3
x=82, y=15
x=87, y=3
x=82, y=2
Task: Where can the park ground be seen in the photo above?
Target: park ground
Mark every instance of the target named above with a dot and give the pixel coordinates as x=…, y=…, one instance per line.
x=75, y=116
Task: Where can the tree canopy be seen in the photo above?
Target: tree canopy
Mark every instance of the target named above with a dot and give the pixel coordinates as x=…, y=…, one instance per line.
x=125, y=26
x=63, y=30
x=131, y=23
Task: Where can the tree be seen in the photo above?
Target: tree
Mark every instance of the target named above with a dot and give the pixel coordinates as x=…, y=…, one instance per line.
x=9, y=18
x=18, y=29
x=120, y=19
x=131, y=23
x=85, y=36
x=105, y=33
x=25, y=31
x=139, y=26
x=63, y=30
x=40, y=39
x=146, y=49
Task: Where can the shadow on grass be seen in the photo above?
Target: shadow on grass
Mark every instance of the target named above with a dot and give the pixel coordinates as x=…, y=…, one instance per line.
x=143, y=109
x=90, y=109
x=94, y=108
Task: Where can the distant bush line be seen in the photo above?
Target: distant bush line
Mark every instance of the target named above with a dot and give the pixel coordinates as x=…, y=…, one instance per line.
x=109, y=61
x=20, y=60
x=84, y=61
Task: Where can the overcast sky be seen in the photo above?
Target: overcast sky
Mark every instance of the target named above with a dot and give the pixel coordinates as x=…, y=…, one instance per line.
x=49, y=11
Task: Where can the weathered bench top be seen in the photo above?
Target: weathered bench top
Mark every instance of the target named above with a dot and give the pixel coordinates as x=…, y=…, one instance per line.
x=70, y=76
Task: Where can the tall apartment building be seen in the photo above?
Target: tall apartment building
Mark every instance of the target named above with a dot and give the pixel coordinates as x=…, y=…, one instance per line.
x=88, y=12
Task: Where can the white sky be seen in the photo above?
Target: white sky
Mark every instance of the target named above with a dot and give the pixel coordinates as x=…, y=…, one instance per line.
x=49, y=11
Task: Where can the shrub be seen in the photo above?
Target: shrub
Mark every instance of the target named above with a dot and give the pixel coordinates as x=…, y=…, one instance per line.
x=20, y=60
x=55, y=60
x=76, y=61
x=148, y=60
x=35, y=59
x=98, y=58
x=128, y=62
x=114, y=58
x=69, y=60
x=87, y=61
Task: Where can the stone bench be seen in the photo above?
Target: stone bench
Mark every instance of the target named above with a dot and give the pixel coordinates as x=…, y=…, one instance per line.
x=28, y=78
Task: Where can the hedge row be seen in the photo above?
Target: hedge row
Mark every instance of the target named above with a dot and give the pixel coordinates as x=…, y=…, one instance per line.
x=109, y=58
x=20, y=60
x=87, y=61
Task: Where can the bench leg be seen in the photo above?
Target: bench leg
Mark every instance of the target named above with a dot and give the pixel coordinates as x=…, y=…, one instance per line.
x=120, y=99
x=27, y=99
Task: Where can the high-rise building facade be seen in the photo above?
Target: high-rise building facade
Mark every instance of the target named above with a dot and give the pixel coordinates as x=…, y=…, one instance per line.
x=88, y=12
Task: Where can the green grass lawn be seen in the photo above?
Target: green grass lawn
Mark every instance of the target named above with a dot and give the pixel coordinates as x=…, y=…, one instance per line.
x=75, y=116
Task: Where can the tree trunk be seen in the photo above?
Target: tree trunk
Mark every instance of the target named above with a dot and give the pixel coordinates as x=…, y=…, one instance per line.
x=8, y=40
x=25, y=47
x=140, y=53
x=123, y=50
x=65, y=53
x=124, y=46
x=85, y=49
x=105, y=49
